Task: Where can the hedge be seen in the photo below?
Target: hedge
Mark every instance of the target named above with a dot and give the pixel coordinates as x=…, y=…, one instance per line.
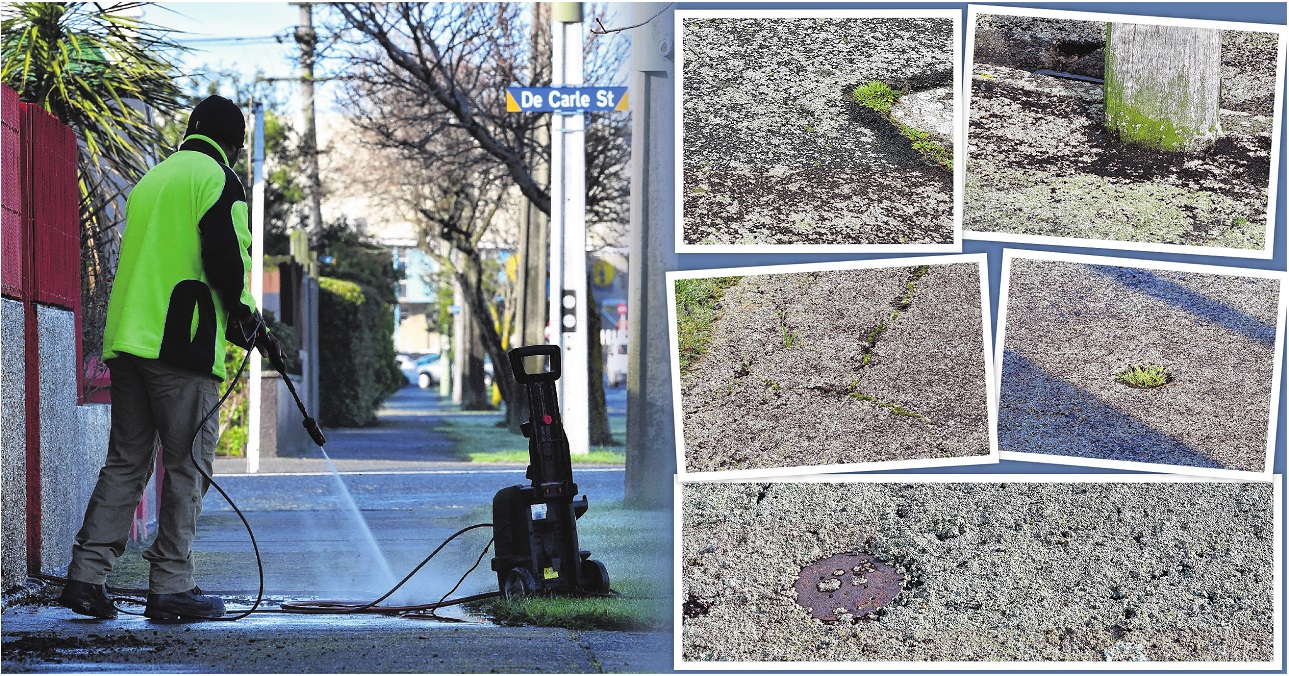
x=358, y=368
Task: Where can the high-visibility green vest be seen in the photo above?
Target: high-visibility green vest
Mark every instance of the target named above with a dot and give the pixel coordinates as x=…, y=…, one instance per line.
x=184, y=260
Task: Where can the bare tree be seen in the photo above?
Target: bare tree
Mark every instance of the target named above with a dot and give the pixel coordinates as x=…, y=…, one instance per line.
x=428, y=87
x=1162, y=85
x=458, y=59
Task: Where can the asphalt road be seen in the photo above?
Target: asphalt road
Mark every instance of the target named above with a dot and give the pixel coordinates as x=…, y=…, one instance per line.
x=1071, y=327
x=315, y=545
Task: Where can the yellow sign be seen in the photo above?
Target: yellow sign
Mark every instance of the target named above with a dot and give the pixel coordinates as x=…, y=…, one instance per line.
x=550, y=574
x=602, y=273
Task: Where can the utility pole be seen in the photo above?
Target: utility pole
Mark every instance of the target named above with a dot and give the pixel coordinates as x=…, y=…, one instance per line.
x=308, y=40
x=651, y=446
x=531, y=271
x=568, y=228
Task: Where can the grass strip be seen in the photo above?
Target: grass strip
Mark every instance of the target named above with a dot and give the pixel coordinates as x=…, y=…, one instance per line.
x=697, y=309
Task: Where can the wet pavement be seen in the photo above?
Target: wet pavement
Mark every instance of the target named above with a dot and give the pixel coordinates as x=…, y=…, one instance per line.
x=411, y=493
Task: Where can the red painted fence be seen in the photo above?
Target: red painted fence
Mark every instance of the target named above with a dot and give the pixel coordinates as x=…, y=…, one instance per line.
x=12, y=223
x=41, y=220
x=41, y=255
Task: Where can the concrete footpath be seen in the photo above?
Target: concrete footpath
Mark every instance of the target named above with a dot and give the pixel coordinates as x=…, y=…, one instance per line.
x=403, y=492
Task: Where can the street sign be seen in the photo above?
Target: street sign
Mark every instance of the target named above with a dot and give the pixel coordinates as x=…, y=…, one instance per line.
x=565, y=99
x=602, y=273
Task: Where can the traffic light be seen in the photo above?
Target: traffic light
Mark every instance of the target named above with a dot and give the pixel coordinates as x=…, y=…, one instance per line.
x=568, y=311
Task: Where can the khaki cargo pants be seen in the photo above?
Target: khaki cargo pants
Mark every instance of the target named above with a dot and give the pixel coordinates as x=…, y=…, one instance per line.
x=151, y=400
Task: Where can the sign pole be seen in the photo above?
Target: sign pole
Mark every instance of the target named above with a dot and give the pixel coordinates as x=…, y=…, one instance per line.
x=254, y=403
x=568, y=191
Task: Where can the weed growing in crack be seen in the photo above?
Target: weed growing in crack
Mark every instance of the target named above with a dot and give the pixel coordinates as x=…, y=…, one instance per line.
x=875, y=333
x=879, y=97
x=907, y=299
x=1240, y=221
x=1144, y=376
x=789, y=338
x=926, y=147
x=853, y=392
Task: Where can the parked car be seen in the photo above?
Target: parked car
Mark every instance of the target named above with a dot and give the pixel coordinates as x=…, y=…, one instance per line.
x=615, y=363
x=429, y=370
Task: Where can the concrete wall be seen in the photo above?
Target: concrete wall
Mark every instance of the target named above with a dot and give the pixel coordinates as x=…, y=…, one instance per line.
x=13, y=448
x=73, y=439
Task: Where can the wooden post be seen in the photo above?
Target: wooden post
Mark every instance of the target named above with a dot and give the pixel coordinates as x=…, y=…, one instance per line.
x=1162, y=85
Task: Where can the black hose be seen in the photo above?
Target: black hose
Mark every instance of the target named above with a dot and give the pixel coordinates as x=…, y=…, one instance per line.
x=314, y=607
x=192, y=453
x=340, y=607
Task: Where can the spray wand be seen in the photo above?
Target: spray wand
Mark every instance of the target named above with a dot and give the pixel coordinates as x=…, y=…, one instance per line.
x=310, y=425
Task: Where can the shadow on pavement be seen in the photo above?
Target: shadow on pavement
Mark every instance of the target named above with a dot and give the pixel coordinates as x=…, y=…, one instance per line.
x=1182, y=298
x=1039, y=413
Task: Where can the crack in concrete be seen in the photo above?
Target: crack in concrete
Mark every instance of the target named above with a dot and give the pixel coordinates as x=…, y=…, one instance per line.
x=590, y=652
x=868, y=353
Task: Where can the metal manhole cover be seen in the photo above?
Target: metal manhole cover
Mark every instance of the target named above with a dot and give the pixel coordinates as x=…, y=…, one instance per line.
x=847, y=586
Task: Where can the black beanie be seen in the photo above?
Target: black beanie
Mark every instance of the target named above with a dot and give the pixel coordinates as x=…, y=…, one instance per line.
x=220, y=119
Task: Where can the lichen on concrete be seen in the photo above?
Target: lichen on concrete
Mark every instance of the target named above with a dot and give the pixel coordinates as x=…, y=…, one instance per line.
x=775, y=151
x=883, y=364
x=992, y=571
x=1040, y=161
x=1072, y=327
x=13, y=459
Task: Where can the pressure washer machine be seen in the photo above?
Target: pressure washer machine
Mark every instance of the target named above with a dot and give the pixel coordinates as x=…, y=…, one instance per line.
x=535, y=526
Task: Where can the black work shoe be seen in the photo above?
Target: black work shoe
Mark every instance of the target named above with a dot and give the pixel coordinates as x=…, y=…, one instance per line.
x=87, y=599
x=189, y=605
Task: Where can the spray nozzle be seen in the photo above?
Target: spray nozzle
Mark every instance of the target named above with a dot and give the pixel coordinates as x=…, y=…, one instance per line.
x=315, y=432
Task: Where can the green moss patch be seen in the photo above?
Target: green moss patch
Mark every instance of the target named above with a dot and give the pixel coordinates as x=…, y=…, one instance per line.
x=879, y=97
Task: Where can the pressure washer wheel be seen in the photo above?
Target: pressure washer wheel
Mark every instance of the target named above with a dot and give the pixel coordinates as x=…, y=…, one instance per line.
x=519, y=583
x=596, y=577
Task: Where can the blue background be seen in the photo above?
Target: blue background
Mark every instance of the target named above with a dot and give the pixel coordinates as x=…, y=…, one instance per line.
x=1267, y=13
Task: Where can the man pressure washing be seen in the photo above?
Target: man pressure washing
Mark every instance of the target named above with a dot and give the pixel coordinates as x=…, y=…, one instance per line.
x=180, y=292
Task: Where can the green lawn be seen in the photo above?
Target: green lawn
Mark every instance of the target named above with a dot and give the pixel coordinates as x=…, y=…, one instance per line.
x=484, y=439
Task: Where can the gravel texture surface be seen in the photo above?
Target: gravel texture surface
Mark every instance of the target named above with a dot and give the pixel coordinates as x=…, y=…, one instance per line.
x=992, y=571
x=916, y=390
x=1071, y=327
x=1040, y=162
x=777, y=152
